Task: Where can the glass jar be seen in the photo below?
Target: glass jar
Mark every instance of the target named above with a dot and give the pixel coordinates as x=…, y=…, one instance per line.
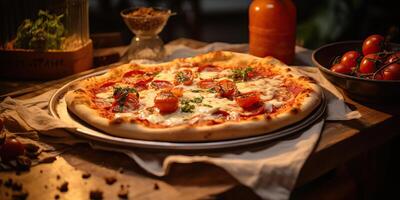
x=272, y=29
x=69, y=31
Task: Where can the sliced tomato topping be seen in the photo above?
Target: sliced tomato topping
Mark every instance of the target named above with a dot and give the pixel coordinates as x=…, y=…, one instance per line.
x=207, y=84
x=126, y=103
x=221, y=113
x=184, y=77
x=133, y=73
x=208, y=68
x=161, y=84
x=248, y=100
x=226, y=88
x=177, y=91
x=256, y=109
x=166, y=102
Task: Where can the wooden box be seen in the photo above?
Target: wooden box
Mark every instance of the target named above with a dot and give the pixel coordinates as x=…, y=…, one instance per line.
x=35, y=65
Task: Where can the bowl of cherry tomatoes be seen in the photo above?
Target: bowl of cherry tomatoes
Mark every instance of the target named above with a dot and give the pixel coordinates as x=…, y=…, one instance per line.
x=367, y=71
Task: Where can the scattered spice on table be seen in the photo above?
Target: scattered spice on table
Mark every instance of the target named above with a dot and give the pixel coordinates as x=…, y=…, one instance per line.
x=96, y=195
x=63, y=187
x=110, y=180
x=156, y=187
x=86, y=175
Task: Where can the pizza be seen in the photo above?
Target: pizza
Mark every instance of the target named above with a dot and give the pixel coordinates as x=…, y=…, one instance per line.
x=215, y=96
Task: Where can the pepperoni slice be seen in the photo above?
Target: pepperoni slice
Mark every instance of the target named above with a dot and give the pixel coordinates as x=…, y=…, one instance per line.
x=142, y=84
x=257, y=109
x=220, y=113
x=126, y=103
x=207, y=84
x=161, y=84
x=184, y=77
x=248, y=100
x=166, y=102
x=226, y=88
x=133, y=73
x=208, y=68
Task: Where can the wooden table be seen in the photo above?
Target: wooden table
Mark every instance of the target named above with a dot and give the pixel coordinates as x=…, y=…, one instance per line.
x=344, y=151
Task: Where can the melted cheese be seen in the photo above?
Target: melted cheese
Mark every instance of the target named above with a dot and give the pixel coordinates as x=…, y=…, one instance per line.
x=209, y=105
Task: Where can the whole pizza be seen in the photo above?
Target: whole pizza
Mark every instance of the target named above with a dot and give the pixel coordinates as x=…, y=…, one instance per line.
x=214, y=96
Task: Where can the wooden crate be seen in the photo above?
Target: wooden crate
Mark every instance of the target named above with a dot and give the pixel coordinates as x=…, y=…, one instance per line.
x=35, y=65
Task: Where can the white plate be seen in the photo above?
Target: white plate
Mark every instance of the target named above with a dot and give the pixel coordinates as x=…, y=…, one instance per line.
x=58, y=109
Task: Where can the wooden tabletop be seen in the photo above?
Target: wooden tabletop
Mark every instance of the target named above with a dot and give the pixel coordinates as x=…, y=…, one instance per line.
x=340, y=142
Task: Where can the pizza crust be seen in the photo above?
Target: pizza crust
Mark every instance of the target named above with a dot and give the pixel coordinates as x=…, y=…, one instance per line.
x=78, y=102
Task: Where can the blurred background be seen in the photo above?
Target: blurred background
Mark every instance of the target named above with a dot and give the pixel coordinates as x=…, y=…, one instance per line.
x=318, y=22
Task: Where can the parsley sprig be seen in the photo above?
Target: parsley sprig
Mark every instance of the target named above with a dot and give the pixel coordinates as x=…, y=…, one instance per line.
x=181, y=77
x=188, y=105
x=120, y=94
x=241, y=74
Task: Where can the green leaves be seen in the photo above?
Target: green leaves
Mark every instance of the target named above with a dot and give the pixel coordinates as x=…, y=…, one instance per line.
x=46, y=32
x=241, y=74
x=120, y=95
x=187, y=105
x=181, y=77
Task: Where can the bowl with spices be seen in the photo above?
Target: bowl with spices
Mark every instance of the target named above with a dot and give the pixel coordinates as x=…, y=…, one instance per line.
x=146, y=23
x=367, y=71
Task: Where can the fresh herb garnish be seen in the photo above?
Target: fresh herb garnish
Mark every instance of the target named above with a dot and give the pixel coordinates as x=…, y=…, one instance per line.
x=181, y=77
x=207, y=105
x=212, y=90
x=120, y=94
x=197, y=99
x=195, y=91
x=187, y=105
x=241, y=74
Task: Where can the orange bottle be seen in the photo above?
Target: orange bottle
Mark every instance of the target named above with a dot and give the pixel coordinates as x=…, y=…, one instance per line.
x=272, y=29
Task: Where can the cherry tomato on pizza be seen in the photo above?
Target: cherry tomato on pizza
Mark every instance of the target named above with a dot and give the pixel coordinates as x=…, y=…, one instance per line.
x=226, y=88
x=161, y=84
x=166, y=102
x=373, y=44
x=248, y=100
x=207, y=84
x=184, y=77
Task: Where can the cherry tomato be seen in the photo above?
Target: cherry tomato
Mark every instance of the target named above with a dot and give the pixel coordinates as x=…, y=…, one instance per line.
x=369, y=63
x=166, y=102
x=393, y=58
x=378, y=76
x=373, y=44
x=391, y=72
x=208, y=68
x=177, y=91
x=185, y=77
x=247, y=100
x=226, y=88
x=350, y=59
x=161, y=84
x=207, y=84
x=340, y=68
x=11, y=149
x=126, y=104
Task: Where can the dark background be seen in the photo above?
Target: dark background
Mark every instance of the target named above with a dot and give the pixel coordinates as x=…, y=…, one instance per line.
x=319, y=21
